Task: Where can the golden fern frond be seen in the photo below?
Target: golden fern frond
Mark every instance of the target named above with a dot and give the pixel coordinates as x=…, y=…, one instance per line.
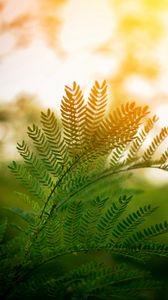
x=121, y=125
x=150, y=151
x=95, y=109
x=72, y=116
x=139, y=140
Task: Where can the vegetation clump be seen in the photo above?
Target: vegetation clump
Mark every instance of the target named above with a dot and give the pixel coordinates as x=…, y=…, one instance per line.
x=73, y=173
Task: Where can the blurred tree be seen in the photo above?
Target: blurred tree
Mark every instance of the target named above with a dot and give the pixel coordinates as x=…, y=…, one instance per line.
x=139, y=27
x=35, y=19
x=14, y=119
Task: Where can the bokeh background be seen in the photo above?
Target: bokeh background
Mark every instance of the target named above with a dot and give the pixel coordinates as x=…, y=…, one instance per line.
x=45, y=44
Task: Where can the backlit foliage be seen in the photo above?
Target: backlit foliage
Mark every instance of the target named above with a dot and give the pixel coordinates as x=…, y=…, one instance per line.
x=73, y=176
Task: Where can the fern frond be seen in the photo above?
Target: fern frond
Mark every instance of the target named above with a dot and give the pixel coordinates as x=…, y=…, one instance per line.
x=48, y=241
x=146, y=234
x=148, y=249
x=95, y=110
x=139, y=140
x=54, y=138
x=121, y=125
x=116, y=155
x=54, y=235
x=155, y=144
x=74, y=179
x=71, y=224
x=89, y=220
x=72, y=116
x=108, y=219
x=28, y=181
x=47, y=156
x=164, y=157
x=35, y=166
x=123, y=228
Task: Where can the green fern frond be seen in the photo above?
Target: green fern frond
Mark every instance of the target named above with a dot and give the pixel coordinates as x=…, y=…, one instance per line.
x=47, y=155
x=89, y=220
x=109, y=217
x=54, y=235
x=123, y=228
x=71, y=224
x=35, y=166
x=28, y=181
x=149, y=249
x=147, y=233
x=54, y=138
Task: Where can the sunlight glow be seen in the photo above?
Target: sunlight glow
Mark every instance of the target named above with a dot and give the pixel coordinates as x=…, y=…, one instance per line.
x=162, y=112
x=85, y=27
x=29, y=70
x=138, y=86
x=14, y=8
x=37, y=69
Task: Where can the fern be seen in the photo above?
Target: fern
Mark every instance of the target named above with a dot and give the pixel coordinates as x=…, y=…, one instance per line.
x=147, y=233
x=79, y=206
x=121, y=125
x=95, y=110
x=72, y=111
x=52, y=131
x=71, y=225
x=155, y=144
x=44, y=149
x=30, y=182
x=141, y=136
x=35, y=166
x=109, y=218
